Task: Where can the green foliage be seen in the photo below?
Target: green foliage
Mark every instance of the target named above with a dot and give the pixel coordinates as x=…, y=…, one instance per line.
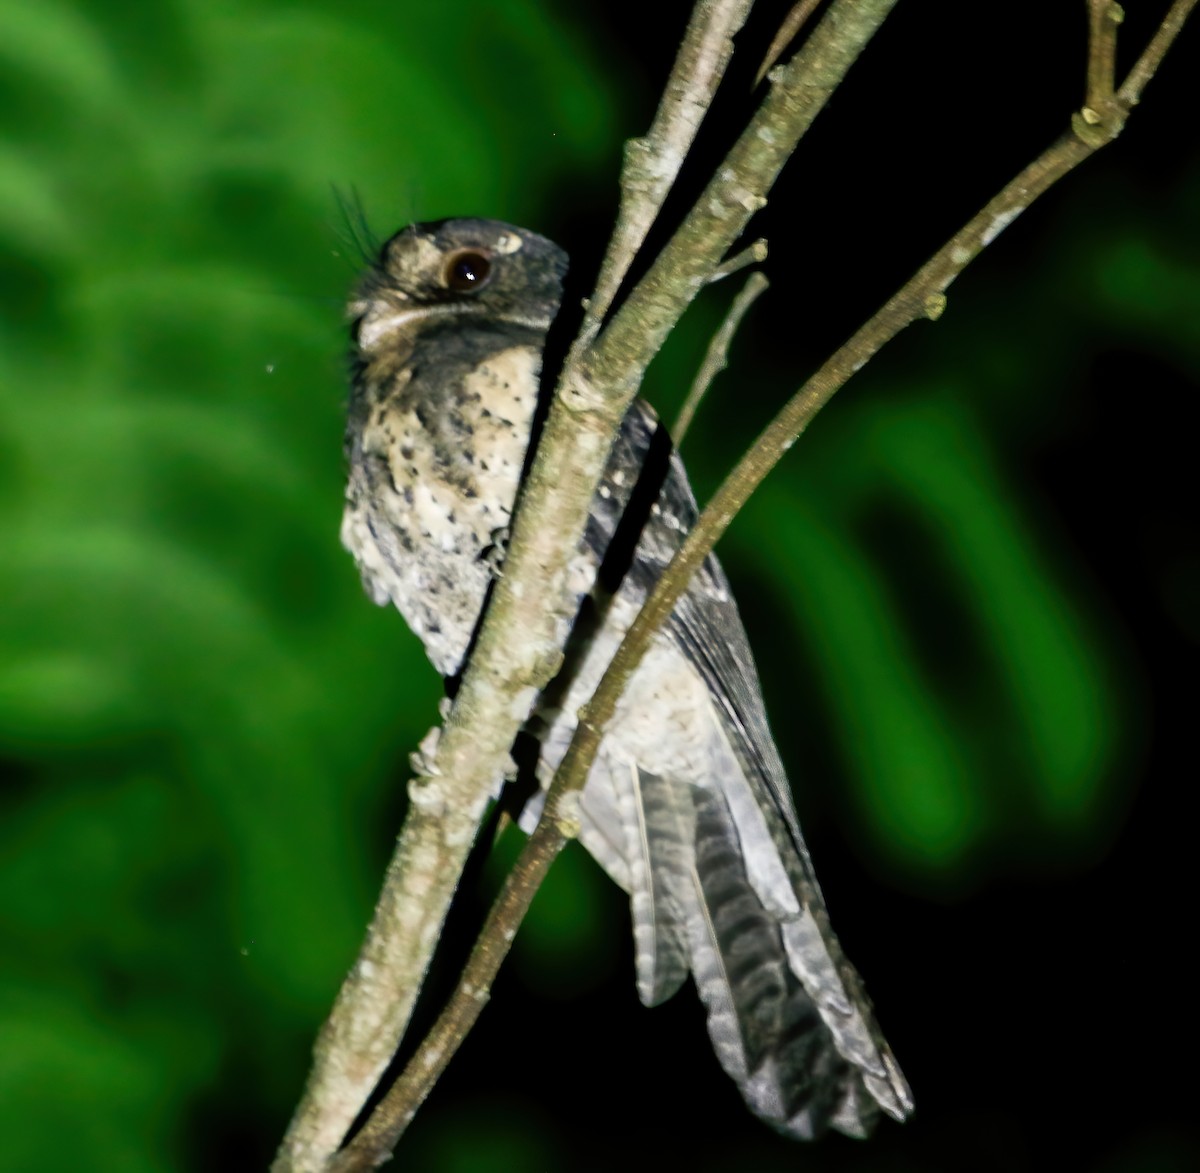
x=199, y=707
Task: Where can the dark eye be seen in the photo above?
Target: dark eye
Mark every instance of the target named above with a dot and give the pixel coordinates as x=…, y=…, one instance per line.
x=467, y=271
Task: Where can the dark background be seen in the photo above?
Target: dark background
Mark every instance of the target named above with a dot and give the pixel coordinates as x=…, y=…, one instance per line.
x=972, y=587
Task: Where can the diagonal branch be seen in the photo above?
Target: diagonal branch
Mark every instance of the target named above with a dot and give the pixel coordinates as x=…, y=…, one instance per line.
x=1103, y=18
x=799, y=91
x=753, y=254
x=716, y=358
x=923, y=296
x=795, y=20
x=653, y=161
x=1130, y=93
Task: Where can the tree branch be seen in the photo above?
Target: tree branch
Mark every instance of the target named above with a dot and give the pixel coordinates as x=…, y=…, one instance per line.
x=1103, y=18
x=795, y=20
x=518, y=650
x=716, y=358
x=1130, y=93
x=753, y=254
x=922, y=296
x=653, y=161
x=373, y=1006
x=798, y=93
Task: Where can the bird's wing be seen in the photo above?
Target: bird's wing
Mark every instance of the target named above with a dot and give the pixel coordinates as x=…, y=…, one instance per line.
x=759, y=937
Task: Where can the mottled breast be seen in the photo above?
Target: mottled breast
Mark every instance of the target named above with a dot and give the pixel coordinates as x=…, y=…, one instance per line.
x=432, y=491
x=449, y=326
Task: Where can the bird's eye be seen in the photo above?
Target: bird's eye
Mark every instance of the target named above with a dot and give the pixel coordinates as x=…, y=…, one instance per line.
x=467, y=271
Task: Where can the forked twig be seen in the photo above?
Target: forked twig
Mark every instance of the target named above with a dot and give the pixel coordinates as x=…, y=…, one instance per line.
x=652, y=162
x=753, y=254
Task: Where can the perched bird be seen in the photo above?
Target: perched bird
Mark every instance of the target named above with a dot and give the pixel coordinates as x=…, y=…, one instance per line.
x=687, y=806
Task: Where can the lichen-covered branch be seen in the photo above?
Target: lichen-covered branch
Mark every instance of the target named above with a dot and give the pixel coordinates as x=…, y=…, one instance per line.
x=653, y=161
x=923, y=296
x=799, y=91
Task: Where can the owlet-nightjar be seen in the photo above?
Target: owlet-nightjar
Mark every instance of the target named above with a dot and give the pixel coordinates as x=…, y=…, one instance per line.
x=687, y=806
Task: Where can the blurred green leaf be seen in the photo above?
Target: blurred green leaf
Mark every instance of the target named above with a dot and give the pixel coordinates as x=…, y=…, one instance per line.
x=201, y=707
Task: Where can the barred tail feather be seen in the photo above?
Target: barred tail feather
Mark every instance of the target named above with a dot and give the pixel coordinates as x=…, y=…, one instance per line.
x=786, y=1013
x=658, y=852
x=794, y=1077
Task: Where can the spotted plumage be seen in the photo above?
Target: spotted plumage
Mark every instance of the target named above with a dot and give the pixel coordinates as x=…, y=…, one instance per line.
x=687, y=805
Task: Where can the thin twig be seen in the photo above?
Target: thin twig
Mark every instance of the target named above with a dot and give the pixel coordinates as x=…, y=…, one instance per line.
x=1103, y=18
x=754, y=254
x=788, y=32
x=716, y=357
x=652, y=162
x=922, y=296
x=374, y=1143
x=799, y=91
x=1130, y=93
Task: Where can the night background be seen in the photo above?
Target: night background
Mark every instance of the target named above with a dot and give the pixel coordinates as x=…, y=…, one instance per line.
x=972, y=587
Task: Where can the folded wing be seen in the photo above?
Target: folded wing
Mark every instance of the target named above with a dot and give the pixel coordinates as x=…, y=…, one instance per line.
x=711, y=852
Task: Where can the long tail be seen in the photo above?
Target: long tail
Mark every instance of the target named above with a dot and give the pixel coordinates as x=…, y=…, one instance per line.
x=786, y=1012
x=706, y=840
